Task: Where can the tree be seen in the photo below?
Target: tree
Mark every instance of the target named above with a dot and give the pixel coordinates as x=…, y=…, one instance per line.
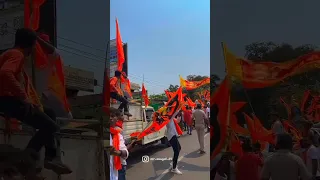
x=269, y=51
x=173, y=88
x=158, y=97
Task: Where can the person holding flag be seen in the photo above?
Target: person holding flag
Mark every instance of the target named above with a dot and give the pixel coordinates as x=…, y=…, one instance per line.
x=117, y=149
x=117, y=94
x=172, y=135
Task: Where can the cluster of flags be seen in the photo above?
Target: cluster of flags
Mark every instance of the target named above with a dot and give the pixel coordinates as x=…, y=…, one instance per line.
x=225, y=129
x=162, y=117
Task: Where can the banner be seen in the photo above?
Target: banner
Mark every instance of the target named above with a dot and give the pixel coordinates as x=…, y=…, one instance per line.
x=190, y=85
x=264, y=74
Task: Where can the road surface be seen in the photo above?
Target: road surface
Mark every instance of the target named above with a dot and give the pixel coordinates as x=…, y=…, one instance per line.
x=190, y=162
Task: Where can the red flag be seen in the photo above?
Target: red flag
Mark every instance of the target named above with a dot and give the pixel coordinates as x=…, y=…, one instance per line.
x=161, y=118
x=220, y=125
x=158, y=123
x=169, y=94
x=190, y=103
x=145, y=95
x=57, y=84
x=120, y=52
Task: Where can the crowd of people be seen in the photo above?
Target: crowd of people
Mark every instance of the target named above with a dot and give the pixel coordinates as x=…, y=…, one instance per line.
x=287, y=159
x=192, y=118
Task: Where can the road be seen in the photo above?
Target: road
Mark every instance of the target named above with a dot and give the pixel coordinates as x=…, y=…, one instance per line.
x=190, y=162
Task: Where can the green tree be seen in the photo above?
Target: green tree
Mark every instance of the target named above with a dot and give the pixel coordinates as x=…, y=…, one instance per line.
x=158, y=97
x=173, y=88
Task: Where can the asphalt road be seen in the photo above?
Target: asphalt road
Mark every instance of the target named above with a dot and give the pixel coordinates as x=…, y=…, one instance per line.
x=190, y=162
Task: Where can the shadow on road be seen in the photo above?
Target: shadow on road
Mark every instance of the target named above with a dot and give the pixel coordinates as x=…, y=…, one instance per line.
x=183, y=166
x=194, y=154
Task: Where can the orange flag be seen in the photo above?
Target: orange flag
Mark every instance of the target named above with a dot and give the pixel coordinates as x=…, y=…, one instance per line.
x=161, y=117
x=120, y=52
x=220, y=124
x=145, y=95
x=33, y=11
x=235, y=106
x=190, y=85
x=57, y=83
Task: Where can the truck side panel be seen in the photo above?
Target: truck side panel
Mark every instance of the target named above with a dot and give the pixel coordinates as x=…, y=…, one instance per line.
x=83, y=156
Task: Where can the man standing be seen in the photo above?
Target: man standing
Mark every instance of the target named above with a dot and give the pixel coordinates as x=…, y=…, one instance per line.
x=15, y=102
x=118, y=150
x=313, y=154
x=283, y=164
x=172, y=136
x=187, y=116
x=247, y=167
x=117, y=94
x=200, y=118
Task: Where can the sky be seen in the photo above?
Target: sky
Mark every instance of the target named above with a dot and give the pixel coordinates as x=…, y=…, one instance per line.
x=83, y=34
x=239, y=23
x=165, y=39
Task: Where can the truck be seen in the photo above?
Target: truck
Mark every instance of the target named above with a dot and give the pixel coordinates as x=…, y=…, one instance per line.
x=141, y=119
x=82, y=148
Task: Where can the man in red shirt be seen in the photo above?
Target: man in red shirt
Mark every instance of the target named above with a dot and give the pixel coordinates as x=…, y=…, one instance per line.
x=117, y=94
x=187, y=116
x=247, y=167
x=15, y=102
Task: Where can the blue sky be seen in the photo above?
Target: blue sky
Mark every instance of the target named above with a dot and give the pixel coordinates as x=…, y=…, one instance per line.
x=165, y=38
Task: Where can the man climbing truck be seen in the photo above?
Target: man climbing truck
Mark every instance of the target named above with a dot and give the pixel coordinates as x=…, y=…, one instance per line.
x=117, y=94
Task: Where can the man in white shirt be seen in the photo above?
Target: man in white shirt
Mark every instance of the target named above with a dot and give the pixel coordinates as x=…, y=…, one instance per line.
x=116, y=152
x=313, y=154
x=172, y=136
x=284, y=165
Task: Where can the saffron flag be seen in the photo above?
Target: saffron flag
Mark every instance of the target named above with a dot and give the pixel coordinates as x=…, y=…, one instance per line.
x=190, y=85
x=219, y=123
x=57, y=84
x=162, y=116
x=120, y=52
x=169, y=94
x=233, y=65
x=265, y=74
x=145, y=95
x=126, y=84
x=31, y=20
